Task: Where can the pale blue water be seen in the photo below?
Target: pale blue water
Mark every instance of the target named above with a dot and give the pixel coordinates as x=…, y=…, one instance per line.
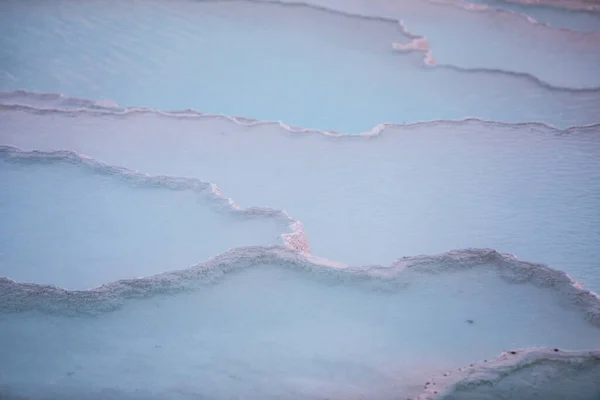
x=78, y=229
x=525, y=190
x=321, y=70
x=272, y=333
x=274, y=320
x=554, y=16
